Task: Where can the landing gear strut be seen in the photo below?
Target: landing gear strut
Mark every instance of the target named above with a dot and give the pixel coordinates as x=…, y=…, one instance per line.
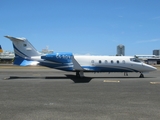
x=125, y=74
x=79, y=74
x=141, y=76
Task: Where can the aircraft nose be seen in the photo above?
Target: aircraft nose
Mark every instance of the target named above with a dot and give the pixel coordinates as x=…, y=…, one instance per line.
x=150, y=68
x=153, y=68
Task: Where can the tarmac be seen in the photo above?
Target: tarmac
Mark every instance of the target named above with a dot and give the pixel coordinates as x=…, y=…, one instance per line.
x=38, y=93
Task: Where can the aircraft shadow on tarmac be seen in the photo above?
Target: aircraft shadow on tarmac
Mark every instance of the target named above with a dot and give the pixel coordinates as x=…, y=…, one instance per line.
x=71, y=77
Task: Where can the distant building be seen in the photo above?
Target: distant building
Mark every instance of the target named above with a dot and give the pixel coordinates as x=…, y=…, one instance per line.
x=120, y=50
x=156, y=52
x=6, y=57
x=46, y=51
x=1, y=50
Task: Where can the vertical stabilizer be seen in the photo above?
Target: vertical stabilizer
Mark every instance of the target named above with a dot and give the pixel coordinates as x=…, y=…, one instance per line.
x=23, y=48
x=24, y=51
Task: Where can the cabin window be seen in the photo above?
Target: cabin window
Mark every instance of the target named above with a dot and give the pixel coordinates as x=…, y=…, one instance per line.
x=117, y=61
x=112, y=61
x=106, y=61
x=100, y=61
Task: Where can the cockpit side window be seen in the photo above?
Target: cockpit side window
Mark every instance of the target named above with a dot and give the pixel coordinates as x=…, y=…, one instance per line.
x=134, y=60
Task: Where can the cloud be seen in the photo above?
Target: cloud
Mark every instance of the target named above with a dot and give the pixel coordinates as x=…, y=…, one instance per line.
x=147, y=41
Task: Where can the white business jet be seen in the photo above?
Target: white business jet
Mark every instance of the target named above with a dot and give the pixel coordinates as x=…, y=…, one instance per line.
x=26, y=54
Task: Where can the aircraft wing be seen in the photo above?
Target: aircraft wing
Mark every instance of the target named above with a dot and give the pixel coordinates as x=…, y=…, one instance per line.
x=76, y=65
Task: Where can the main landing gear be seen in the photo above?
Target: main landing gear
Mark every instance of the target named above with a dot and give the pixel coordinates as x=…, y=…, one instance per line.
x=125, y=74
x=141, y=76
x=79, y=74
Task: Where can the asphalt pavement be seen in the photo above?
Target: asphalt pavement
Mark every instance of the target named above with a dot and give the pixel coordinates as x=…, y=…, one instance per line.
x=48, y=94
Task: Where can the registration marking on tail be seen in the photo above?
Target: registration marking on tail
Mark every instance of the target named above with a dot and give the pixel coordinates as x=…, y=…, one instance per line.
x=114, y=81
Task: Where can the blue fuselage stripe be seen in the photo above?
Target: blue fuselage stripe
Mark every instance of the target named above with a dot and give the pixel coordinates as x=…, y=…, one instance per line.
x=18, y=51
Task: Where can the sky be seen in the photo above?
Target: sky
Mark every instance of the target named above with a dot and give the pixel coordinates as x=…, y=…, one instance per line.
x=93, y=27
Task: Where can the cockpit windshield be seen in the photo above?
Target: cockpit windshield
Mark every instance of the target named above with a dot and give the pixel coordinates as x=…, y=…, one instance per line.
x=135, y=60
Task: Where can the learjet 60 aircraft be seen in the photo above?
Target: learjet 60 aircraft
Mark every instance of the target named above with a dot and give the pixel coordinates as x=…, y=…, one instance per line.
x=26, y=54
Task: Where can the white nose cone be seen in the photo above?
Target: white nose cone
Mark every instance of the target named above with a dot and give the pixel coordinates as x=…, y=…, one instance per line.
x=149, y=68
